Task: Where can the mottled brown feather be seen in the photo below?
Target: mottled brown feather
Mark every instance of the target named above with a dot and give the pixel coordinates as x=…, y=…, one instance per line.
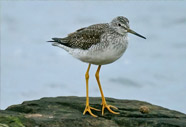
x=84, y=38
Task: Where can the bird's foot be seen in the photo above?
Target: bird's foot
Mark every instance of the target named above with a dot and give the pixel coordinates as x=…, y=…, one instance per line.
x=88, y=109
x=104, y=105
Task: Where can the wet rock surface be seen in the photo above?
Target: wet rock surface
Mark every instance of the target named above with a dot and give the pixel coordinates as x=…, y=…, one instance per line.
x=68, y=111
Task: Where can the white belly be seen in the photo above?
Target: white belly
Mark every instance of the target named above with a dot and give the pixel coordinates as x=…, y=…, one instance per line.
x=100, y=54
x=101, y=57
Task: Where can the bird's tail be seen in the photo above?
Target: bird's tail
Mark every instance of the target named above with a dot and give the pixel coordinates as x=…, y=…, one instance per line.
x=59, y=40
x=56, y=41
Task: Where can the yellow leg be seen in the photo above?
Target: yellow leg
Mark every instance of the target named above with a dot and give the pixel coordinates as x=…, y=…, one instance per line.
x=104, y=104
x=88, y=108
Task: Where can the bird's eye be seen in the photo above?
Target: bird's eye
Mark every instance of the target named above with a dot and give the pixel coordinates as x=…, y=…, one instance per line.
x=119, y=24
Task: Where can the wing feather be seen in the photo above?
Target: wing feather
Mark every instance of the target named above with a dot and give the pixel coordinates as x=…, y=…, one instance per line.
x=83, y=38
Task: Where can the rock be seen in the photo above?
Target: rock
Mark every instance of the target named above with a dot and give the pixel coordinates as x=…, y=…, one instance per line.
x=67, y=112
x=144, y=109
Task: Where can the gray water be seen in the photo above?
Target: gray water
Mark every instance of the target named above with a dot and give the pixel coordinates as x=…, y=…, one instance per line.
x=152, y=70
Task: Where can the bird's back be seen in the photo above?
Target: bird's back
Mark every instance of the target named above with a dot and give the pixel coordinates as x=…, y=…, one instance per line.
x=83, y=38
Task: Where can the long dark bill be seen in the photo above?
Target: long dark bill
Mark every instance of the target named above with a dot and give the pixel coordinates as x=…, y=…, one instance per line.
x=133, y=32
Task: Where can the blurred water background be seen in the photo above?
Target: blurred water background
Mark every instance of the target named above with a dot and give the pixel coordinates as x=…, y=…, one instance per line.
x=152, y=70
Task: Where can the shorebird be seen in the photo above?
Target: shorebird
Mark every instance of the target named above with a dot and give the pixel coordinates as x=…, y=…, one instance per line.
x=98, y=44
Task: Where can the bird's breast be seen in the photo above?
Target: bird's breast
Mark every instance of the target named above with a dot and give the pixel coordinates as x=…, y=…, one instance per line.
x=105, y=52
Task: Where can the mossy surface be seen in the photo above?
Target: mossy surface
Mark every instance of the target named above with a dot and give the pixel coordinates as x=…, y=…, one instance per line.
x=67, y=111
x=12, y=121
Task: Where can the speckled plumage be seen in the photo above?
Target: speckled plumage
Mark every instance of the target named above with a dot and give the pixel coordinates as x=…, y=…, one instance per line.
x=97, y=44
x=84, y=38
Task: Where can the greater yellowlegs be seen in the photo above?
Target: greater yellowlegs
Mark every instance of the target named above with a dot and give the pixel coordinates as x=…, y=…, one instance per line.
x=98, y=44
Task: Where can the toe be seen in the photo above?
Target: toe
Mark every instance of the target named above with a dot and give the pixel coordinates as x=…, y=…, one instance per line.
x=94, y=109
x=92, y=114
x=88, y=109
x=112, y=111
x=113, y=107
x=109, y=109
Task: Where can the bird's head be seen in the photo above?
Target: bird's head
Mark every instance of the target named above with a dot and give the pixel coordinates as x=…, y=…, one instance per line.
x=121, y=25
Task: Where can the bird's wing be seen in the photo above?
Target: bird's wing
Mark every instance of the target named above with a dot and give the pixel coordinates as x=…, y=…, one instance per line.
x=83, y=38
